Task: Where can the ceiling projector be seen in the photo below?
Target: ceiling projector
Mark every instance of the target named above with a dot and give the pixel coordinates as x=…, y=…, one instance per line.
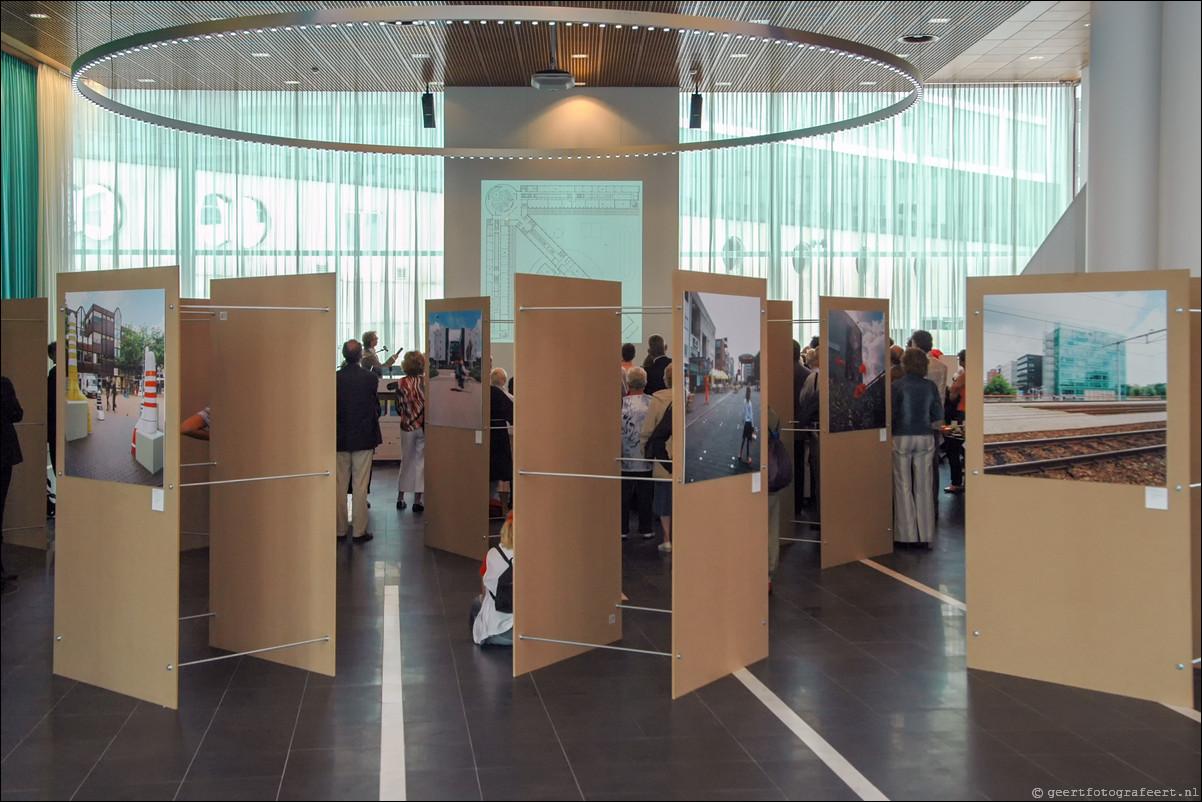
x=556, y=80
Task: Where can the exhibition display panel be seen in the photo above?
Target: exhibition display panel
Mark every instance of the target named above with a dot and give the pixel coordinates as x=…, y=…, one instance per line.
x=23, y=339
x=272, y=580
x=720, y=525
x=1081, y=496
x=567, y=425
x=855, y=457
x=196, y=348
x=116, y=589
x=458, y=357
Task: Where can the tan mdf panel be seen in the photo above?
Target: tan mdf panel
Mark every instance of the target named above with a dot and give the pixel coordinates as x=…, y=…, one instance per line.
x=855, y=468
x=719, y=529
x=116, y=586
x=456, y=516
x=568, y=419
x=24, y=363
x=272, y=550
x=779, y=387
x=1077, y=582
x=195, y=348
x=1195, y=457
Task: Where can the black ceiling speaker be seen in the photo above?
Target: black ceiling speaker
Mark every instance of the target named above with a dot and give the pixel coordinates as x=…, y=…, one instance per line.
x=695, y=111
x=428, y=110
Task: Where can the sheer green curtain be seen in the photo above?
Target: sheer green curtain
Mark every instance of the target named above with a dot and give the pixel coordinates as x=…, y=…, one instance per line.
x=19, y=178
x=220, y=209
x=966, y=183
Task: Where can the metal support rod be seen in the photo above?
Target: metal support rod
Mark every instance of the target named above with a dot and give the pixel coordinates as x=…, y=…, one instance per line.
x=1195, y=485
x=260, y=308
x=195, y=464
x=811, y=523
x=202, y=615
x=254, y=651
x=30, y=423
x=589, y=308
x=592, y=476
x=795, y=321
x=815, y=431
x=639, y=459
x=1196, y=310
x=595, y=646
x=800, y=540
x=19, y=528
x=252, y=479
x=644, y=609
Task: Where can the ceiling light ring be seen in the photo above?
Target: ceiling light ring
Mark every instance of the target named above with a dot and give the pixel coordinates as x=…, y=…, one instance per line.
x=534, y=14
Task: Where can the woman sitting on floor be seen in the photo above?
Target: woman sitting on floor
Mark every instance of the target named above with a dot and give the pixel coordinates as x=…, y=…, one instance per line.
x=492, y=623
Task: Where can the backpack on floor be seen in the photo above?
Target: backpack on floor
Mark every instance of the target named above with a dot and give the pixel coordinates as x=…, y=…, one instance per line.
x=503, y=598
x=780, y=467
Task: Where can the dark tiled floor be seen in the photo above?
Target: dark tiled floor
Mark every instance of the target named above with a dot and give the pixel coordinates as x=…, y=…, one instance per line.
x=874, y=666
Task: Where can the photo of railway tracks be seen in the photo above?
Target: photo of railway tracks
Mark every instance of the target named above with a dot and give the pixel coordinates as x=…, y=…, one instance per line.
x=1075, y=386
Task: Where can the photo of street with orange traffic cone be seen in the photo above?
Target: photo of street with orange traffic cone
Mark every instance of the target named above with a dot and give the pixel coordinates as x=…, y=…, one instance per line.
x=114, y=386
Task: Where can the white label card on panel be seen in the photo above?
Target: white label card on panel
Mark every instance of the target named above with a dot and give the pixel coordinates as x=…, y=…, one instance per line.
x=1156, y=498
x=755, y=483
x=156, y=499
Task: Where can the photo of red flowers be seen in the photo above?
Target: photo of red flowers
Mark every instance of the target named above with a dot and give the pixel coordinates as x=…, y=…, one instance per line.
x=857, y=351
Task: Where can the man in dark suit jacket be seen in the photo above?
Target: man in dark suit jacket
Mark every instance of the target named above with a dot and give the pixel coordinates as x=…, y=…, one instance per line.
x=358, y=436
x=657, y=362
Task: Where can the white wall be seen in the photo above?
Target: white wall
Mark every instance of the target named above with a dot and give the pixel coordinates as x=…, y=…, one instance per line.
x=581, y=118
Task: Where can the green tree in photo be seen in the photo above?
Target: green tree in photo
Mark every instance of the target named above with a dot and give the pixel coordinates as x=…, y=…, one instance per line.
x=999, y=386
x=133, y=344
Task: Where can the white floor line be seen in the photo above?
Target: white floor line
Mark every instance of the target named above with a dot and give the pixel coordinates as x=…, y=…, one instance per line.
x=1188, y=712
x=943, y=597
x=846, y=772
x=392, y=713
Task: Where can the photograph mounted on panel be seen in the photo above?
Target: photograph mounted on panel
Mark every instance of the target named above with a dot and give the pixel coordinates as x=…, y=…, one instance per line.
x=722, y=386
x=115, y=415
x=576, y=229
x=857, y=365
x=1075, y=386
x=455, y=382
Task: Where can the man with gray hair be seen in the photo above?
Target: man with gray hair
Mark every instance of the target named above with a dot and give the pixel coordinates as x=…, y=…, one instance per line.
x=635, y=468
x=358, y=434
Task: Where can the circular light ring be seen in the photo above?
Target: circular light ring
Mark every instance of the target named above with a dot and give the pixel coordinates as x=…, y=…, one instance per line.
x=535, y=14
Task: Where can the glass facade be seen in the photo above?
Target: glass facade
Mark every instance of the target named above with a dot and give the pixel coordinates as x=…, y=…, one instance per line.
x=1084, y=363
x=967, y=183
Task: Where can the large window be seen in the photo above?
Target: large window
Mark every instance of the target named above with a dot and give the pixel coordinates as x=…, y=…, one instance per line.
x=967, y=183
x=145, y=196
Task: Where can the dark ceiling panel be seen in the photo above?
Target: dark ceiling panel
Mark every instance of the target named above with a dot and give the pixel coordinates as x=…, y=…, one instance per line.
x=384, y=58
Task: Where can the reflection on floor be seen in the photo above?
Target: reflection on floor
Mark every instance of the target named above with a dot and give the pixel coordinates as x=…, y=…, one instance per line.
x=873, y=665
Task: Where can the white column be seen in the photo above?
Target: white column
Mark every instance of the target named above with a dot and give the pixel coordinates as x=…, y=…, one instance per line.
x=1180, y=202
x=1124, y=130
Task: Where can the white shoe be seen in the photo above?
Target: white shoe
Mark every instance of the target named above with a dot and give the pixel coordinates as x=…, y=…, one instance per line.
x=666, y=548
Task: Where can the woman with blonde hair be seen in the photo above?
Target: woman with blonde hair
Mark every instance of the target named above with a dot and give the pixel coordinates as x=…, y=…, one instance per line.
x=492, y=611
x=411, y=406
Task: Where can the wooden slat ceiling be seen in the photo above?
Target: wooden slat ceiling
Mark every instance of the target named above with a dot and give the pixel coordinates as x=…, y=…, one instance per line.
x=406, y=57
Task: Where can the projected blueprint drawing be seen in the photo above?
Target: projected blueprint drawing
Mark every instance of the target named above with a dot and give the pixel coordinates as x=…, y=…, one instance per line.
x=579, y=229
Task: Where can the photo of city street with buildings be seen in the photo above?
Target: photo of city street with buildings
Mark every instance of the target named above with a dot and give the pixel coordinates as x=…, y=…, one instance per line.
x=722, y=391
x=1075, y=386
x=114, y=416
x=455, y=382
